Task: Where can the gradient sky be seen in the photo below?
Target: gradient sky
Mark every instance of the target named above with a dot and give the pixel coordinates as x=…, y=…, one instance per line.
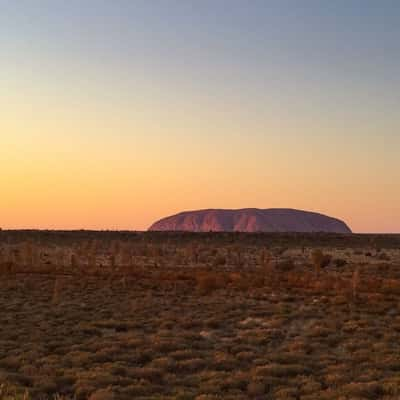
x=116, y=113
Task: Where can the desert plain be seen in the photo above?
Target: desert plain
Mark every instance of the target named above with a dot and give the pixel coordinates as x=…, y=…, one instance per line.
x=148, y=315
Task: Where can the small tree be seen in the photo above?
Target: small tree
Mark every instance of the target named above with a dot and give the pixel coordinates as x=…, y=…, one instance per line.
x=112, y=261
x=265, y=258
x=92, y=259
x=355, y=281
x=56, y=291
x=316, y=258
x=28, y=254
x=74, y=261
x=320, y=260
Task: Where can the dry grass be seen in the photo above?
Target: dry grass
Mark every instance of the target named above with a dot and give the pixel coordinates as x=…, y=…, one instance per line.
x=199, y=320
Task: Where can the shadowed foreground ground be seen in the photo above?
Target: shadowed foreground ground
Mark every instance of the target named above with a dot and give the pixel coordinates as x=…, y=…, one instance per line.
x=205, y=324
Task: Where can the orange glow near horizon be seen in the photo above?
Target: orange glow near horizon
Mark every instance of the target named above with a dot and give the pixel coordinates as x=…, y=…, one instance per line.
x=79, y=170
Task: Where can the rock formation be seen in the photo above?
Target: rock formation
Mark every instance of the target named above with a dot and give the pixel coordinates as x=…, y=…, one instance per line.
x=251, y=220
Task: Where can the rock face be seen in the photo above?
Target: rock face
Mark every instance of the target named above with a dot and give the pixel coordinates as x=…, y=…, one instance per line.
x=251, y=220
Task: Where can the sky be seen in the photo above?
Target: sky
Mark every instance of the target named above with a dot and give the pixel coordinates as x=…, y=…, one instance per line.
x=114, y=114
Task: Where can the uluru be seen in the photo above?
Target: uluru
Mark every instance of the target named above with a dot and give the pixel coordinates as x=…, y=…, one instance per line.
x=251, y=220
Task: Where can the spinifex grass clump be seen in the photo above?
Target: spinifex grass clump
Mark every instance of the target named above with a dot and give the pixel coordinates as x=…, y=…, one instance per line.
x=208, y=282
